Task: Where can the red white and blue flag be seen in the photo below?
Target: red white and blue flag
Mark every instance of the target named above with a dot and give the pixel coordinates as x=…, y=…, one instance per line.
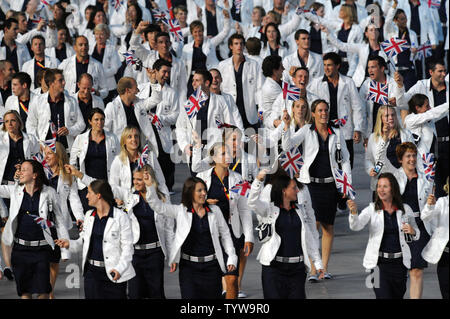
x=220, y=124
x=241, y=188
x=429, y=167
x=291, y=161
x=394, y=46
x=237, y=5
x=143, y=158
x=291, y=92
x=434, y=4
x=174, y=29
x=300, y=11
x=48, y=2
x=161, y=15
x=155, y=120
x=116, y=4
x=129, y=57
x=340, y=122
x=378, y=93
x=195, y=103
x=343, y=185
x=40, y=158
x=424, y=51
x=260, y=116
x=44, y=223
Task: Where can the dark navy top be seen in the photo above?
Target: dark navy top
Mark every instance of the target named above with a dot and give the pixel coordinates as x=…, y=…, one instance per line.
x=403, y=59
x=211, y=22
x=441, y=125
x=391, y=240
x=376, y=107
x=316, y=40
x=81, y=68
x=289, y=227
x=202, y=116
x=85, y=109
x=98, y=56
x=146, y=218
x=302, y=63
x=22, y=112
x=321, y=167
x=133, y=166
x=53, y=182
x=11, y=55
x=333, y=91
x=130, y=114
x=240, y=94
x=198, y=59
x=6, y=93
x=15, y=156
x=238, y=168
x=273, y=52
x=61, y=55
x=38, y=67
x=343, y=36
x=390, y=152
x=95, y=161
x=235, y=15
x=415, y=19
x=27, y=228
x=199, y=241
x=219, y=191
x=409, y=196
x=57, y=117
x=96, y=244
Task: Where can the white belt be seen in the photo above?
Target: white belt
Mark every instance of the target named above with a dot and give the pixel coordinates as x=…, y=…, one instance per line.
x=416, y=214
x=443, y=139
x=5, y=182
x=322, y=180
x=195, y=259
x=289, y=260
x=35, y=243
x=344, y=59
x=147, y=246
x=404, y=68
x=390, y=255
x=446, y=250
x=96, y=263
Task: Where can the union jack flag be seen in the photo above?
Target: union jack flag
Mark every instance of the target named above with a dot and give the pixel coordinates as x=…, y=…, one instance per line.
x=116, y=4
x=220, y=124
x=260, y=116
x=129, y=57
x=378, y=92
x=340, y=122
x=161, y=14
x=300, y=11
x=155, y=120
x=44, y=223
x=48, y=2
x=424, y=51
x=143, y=158
x=291, y=161
x=195, y=103
x=237, y=5
x=343, y=186
x=35, y=21
x=40, y=158
x=434, y=4
x=241, y=188
x=429, y=167
x=290, y=91
x=394, y=46
x=174, y=29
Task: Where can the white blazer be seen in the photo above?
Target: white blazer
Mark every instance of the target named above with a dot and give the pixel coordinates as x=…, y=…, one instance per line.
x=376, y=151
x=220, y=234
x=348, y=103
x=80, y=147
x=52, y=51
x=97, y=101
x=251, y=85
x=28, y=67
x=314, y=65
x=269, y=213
x=117, y=244
x=48, y=202
x=67, y=192
x=237, y=118
x=116, y=120
x=437, y=215
x=111, y=64
x=22, y=54
x=39, y=117
x=30, y=147
x=95, y=68
x=308, y=136
x=240, y=216
x=269, y=93
x=375, y=219
x=425, y=87
x=12, y=103
x=265, y=52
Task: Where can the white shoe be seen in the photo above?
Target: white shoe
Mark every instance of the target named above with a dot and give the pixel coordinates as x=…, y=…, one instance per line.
x=242, y=294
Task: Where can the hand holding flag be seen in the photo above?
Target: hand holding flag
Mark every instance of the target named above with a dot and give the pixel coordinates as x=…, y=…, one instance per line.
x=291, y=92
x=378, y=93
x=195, y=103
x=143, y=158
x=340, y=122
x=40, y=158
x=429, y=166
x=343, y=185
x=154, y=119
x=291, y=161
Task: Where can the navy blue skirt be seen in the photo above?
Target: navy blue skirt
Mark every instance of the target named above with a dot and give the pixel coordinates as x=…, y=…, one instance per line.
x=417, y=246
x=31, y=267
x=324, y=198
x=238, y=244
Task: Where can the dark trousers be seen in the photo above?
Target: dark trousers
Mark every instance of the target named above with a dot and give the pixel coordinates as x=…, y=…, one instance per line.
x=349, y=144
x=98, y=286
x=284, y=281
x=392, y=279
x=200, y=280
x=149, y=279
x=167, y=166
x=442, y=168
x=442, y=272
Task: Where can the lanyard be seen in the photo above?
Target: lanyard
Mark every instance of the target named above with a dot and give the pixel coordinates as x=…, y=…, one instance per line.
x=40, y=65
x=22, y=105
x=224, y=188
x=235, y=165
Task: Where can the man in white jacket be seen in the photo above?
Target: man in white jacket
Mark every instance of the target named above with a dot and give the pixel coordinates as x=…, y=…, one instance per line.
x=10, y=49
x=6, y=73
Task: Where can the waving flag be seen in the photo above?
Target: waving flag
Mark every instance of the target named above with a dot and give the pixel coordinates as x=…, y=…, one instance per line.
x=195, y=103
x=40, y=158
x=170, y=7
x=434, y=4
x=241, y=188
x=48, y=2
x=174, y=29
x=378, y=93
x=340, y=122
x=424, y=51
x=343, y=186
x=237, y=5
x=116, y=4
x=429, y=167
x=44, y=223
x=220, y=124
x=143, y=158
x=129, y=57
x=300, y=11
x=291, y=161
x=155, y=120
x=291, y=92
x=260, y=117
x=394, y=46
x=161, y=15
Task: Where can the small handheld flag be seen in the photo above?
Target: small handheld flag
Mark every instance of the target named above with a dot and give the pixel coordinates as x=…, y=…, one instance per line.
x=242, y=188
x=340, y=122
x=129, y=57
x=116, y=4
x=394, y=46
x=429, y=167
x=424, y=51
x=195, y=103
x=434, y=4
x=291, y=161
x=40, y=158
x=161, y=15
x=174, y=29
x=343, y=185
x=378, y=92
x=143, y=158
x=220, y=124
x=155, y=121
x=291, y=92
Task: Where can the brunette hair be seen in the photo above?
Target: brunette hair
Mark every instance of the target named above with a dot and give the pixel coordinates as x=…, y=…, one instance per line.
x=189, y=189
x=397, y=200
x=102, y=187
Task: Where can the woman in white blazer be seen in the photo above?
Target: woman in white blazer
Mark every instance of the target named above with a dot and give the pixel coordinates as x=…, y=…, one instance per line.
x=324, y=153
x=380, y=153
x=437, y=250
x=31, y=243
x=273, y=46
x=391, y=223
x=294, y=241
x=219, y=180
x=201, y=232
x=66, y=190
x=94, y=151
x=63, y=49
x=107, y=244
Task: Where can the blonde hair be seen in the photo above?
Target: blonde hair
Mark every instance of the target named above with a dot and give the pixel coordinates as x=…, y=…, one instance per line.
x=102, y=28
x=378, y=129
x=351, y=13
x=125, y=83
x=62, y=159
x=123, y=156
x=308, y=116
x=16, y=115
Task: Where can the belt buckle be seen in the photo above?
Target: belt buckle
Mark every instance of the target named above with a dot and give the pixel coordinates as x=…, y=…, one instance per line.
x=201, y=259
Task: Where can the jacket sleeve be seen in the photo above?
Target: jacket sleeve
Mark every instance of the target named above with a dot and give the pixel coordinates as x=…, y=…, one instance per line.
x=358, y=109
x=246, y=219
x=159, y=206
x=198, y=164
x=170, y=118
x=114, y=65
x=359, y=221
x=225, y=238
x=75, y=151
x=412, y=222
x=254, y=203
x=222, y=35
x=346, y=47
x=287, y=28
x=59, y=223
x=79, y=125
x=75, y=202
x=102, y=88
x=414, y=120
x=32, y=119
x=182, y=130
x=429, y=212
x=109, y=117
x=126, y=244
x=288, y=142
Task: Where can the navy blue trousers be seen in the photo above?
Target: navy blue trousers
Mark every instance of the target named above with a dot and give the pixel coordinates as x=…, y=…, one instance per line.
x=392, y=280
x=98, y=286
x=200, y=280
x=284, y=281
